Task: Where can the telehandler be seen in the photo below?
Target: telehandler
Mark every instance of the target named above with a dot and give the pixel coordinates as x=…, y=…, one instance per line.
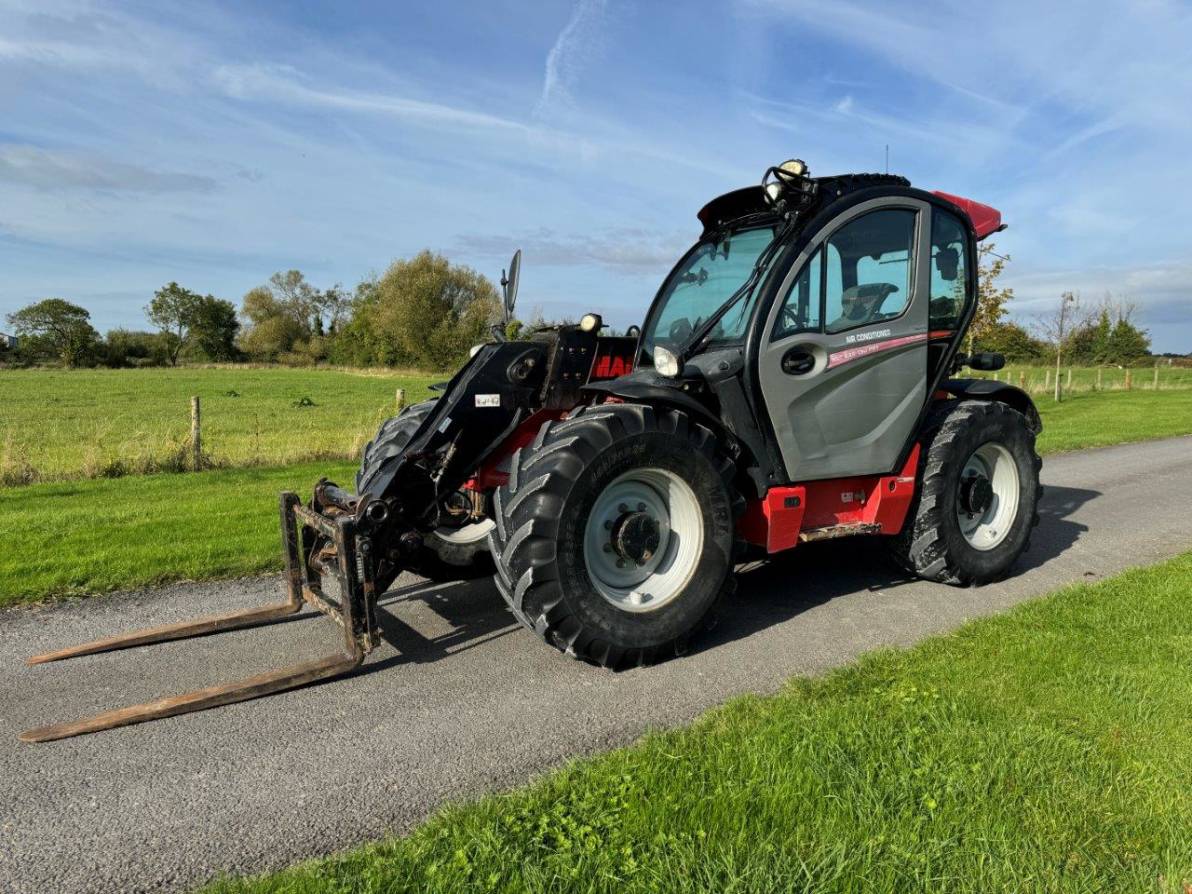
x=792, y=381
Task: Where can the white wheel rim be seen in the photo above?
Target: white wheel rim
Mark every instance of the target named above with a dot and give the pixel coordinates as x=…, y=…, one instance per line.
x=669, y=502
x=986, y=529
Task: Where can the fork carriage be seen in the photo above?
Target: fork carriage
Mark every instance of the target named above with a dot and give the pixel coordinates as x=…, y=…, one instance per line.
x=317, y=544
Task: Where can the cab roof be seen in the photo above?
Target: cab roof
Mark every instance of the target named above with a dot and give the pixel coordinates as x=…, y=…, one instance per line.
x=750, y=201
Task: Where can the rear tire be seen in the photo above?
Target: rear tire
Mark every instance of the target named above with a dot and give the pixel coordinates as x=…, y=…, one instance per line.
x=650, y=481
x=469, y=559
x=978, y=494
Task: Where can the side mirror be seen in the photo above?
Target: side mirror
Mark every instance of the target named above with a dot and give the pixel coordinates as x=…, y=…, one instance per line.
x=985, y=361
x=509, y=284
x=947, y=262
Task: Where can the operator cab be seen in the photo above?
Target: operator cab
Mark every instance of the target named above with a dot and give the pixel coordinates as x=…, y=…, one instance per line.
x=839, y=299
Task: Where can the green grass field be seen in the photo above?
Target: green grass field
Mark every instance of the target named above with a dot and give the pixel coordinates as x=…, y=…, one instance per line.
x=1048, y=749
x=91, y=536
x=76, y=537
x=57, y=424
x=1098, y=419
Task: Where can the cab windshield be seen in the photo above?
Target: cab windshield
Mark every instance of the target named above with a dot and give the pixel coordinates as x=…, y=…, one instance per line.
x=707, y=278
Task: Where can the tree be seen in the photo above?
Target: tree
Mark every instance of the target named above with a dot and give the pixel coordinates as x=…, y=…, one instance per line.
x=64, y=328
x=188, y=319
x=1127, y=343
x=213, y=328
x=172, y=310
x=991, y=300
x=1056, y=327
x=1014, y=342
x=424, y=312
x=275, y=325
x=1107, y=336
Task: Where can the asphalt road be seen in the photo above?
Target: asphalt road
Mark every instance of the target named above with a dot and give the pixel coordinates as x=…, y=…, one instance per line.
x=458, y=701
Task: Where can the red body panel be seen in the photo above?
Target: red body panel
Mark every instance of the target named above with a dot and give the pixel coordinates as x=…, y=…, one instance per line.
x=490, y=475
x=986, y=220
x=776, y=521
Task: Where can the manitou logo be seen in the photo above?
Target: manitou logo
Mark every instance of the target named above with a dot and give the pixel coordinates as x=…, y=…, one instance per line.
x=610, y=366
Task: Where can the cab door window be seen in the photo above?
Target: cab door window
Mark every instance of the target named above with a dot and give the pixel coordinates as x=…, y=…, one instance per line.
x=868, y=266
x=950, y=288
x=801, y=309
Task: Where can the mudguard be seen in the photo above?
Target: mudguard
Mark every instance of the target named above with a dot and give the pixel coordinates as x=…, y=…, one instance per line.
x=1004, y=392
x=646, y=386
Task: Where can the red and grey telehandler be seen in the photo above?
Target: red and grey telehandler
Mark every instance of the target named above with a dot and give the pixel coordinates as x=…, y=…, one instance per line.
x=794, y=380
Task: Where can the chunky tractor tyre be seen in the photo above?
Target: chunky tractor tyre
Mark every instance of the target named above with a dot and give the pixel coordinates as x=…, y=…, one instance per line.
x=977, y=498
x=470, y=560
x=615, y=535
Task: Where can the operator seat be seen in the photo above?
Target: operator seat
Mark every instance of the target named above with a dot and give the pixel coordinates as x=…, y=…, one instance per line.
x=861, y=304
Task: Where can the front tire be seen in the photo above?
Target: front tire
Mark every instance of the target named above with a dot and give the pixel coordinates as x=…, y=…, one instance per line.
x=978, y=495
x=615, y=537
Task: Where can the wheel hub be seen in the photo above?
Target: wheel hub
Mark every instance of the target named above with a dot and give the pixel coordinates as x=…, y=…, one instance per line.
x=987, y=496
x=636, y=537
x=643, y=539
x=976, y=494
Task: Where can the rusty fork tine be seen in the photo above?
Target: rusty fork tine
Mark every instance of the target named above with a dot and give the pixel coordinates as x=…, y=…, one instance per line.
x=201, y=699
x=353, y=613
x=182, y=630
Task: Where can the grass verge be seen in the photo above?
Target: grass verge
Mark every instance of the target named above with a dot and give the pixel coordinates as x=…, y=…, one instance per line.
x=92, y=536
x=1048, y=749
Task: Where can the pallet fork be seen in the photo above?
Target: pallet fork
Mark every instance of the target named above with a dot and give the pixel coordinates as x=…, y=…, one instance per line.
x=347, y=560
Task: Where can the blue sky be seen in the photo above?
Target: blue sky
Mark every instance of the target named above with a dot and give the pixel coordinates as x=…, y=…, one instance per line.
x=214, y=143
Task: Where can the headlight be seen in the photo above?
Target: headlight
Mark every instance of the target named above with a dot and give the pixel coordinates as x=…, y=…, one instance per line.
x=665, y=362
x=590, y=322
x=475, y=349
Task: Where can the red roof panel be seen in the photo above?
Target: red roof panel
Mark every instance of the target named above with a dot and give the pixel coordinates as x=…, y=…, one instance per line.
x=986, y=220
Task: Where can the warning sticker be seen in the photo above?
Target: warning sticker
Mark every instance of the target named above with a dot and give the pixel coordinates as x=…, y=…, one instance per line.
x=488, y=400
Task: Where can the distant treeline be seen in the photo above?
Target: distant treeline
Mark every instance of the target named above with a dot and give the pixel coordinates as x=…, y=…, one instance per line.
x=423, y=313
x=426, y=313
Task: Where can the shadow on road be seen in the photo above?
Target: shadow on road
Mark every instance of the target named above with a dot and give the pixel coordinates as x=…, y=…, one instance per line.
x=474, y=611
x=769, y=592
x=1056, y=532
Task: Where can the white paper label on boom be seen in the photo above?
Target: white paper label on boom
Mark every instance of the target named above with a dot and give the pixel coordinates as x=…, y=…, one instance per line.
x=488, y=400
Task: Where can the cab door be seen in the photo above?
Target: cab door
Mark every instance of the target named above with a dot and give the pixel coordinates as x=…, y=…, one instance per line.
x=843, y=358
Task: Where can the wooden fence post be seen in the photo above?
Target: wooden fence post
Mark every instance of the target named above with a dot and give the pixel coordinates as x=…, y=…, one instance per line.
x=1155, y=384
x=400, y=397
x=196, y=433
x=1128, y=378
x=1098, y=378
x=1047, y=379
x=1022, y=379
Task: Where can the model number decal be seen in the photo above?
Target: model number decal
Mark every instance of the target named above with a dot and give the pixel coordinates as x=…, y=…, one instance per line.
x=488, y=400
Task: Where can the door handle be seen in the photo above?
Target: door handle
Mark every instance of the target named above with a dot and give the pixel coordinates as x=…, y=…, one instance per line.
x=797, y=362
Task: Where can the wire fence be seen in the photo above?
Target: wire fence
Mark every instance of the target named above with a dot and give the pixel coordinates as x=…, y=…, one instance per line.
x=1077, y=379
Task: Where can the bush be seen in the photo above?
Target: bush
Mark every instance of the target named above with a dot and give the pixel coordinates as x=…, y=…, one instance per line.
x=129, y=348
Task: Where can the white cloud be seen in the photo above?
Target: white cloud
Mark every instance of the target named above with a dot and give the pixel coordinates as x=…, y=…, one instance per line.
x=283, y=83
x=573, y=48
x=49, y=170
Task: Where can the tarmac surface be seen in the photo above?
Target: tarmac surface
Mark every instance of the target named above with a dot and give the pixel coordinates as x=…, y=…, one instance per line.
x=458, y=700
